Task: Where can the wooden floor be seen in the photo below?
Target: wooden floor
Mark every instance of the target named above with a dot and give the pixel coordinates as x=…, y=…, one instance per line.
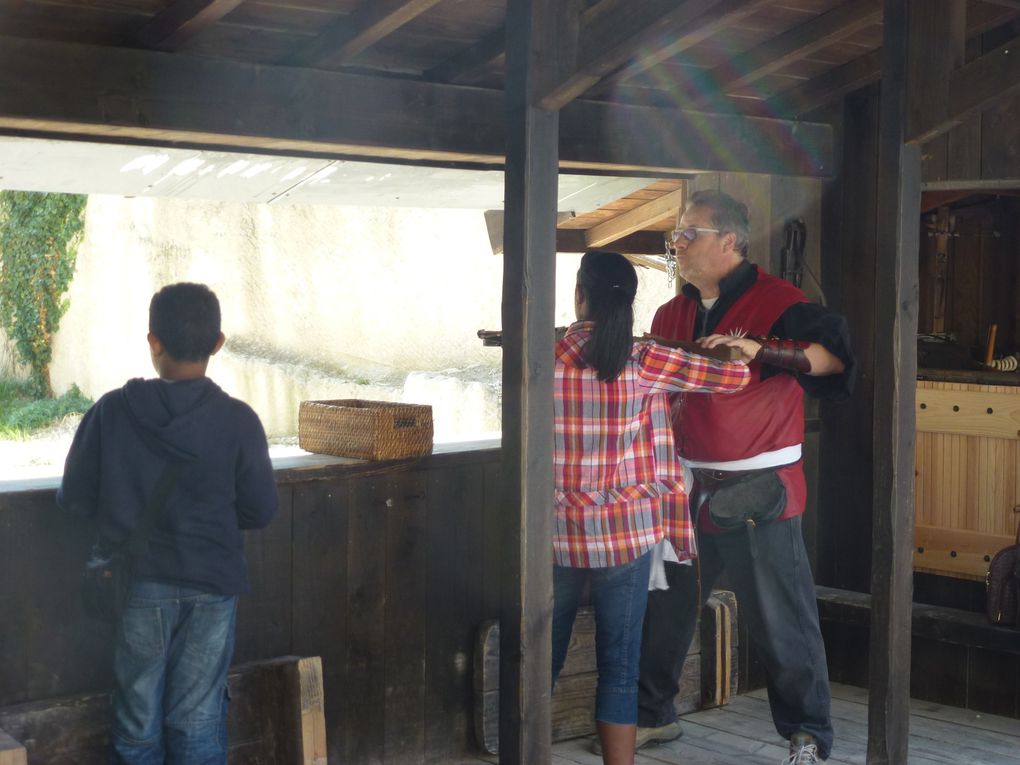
x=742, y=733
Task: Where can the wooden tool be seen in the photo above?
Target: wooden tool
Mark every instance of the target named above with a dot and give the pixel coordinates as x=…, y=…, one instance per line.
x=993, y=330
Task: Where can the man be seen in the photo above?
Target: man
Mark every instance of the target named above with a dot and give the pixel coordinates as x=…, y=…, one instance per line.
x=752, y=435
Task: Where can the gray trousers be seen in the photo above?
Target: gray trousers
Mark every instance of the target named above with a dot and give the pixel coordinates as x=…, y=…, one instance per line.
x=776, y=595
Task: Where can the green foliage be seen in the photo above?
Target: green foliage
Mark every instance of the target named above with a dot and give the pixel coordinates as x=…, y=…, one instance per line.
x=22, y=413
x=39, y=237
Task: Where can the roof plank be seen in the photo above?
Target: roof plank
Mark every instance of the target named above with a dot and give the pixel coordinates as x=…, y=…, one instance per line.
x=721, y=15
x=352, y=34
x=174, y=25
x=635, y=220
x=801, y=41
x=609, y=38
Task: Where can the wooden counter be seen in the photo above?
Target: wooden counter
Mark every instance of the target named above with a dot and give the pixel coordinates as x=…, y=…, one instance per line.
x=385, y=570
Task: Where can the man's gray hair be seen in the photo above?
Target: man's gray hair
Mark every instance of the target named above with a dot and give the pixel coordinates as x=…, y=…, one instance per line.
x=728, y=215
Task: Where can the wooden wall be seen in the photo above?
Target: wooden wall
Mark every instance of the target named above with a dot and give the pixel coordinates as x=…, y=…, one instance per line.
x=986, y=147
x=385, y=574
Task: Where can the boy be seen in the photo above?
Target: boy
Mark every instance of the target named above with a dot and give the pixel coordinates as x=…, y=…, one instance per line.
x=175, y=639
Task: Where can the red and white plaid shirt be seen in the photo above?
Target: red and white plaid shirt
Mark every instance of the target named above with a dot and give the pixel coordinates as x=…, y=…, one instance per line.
x=619, y=486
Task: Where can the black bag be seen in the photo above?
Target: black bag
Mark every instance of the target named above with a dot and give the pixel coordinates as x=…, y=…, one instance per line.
x=743, y=500
x=106, y=579
x=1002, y=584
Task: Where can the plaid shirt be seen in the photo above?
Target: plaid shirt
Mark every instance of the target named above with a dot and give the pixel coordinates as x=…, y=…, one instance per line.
x=619, y=486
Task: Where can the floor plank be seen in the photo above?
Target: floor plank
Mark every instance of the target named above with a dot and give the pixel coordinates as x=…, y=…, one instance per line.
x=742, y=732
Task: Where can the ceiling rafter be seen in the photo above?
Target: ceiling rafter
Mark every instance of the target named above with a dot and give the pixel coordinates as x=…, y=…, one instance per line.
x=471, y=64
x=721, y=15
x=795, y=44
x=171, y=27
x=352, y=34
x=608, y=38
x=635, y=220
x=829, y=86
x=862, y=71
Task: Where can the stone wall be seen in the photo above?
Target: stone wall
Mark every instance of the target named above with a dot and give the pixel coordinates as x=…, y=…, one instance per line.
x=318, y=302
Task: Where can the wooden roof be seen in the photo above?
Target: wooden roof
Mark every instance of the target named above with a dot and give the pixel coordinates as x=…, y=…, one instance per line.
x=777, y=58
x=659, y=86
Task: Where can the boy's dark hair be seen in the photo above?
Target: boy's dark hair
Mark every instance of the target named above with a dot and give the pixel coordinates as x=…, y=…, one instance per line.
x=728, y=215
x=609, y=283
x=186, y=319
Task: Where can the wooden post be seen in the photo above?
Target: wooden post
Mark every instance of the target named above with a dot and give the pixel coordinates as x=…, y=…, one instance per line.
x=536, y=41
x=896, y=305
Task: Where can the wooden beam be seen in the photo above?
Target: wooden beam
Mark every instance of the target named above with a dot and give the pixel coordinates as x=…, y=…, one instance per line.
x=635, y=220
x=123, y=95
x=536, y=30
x=982, y=84
x=855, y=74
x=896, y=307
x=471, y=64
x=722, y=14
x=351, y=35
x=793, y=45
x=609, y=39
x=171, y=27
x=828, y=87
x=637, y=243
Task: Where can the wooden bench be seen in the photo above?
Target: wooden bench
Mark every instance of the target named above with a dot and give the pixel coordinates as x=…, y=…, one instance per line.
x=957, y=657
x=276, y=716
x=709, y=675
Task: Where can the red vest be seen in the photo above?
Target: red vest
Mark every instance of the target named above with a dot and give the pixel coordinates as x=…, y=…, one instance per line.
x=766, y=415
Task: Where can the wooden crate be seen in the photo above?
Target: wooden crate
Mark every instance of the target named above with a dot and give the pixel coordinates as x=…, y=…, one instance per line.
x=368, y=430
x=275, y=716
x=708, y=679
x=967, y=476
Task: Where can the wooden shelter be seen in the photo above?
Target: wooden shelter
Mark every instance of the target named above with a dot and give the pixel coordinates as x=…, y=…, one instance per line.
x=776, y=101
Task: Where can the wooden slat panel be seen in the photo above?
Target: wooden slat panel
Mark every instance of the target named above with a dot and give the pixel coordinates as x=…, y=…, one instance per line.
x=971, y=413
x=364, y=696
x=455, y=602
x=406, y=618
x=319, y=592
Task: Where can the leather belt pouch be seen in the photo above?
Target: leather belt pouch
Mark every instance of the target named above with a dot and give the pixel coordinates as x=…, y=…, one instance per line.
x=743, y=499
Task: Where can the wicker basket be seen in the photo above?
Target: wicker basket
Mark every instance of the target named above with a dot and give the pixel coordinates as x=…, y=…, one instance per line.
x=370, y=430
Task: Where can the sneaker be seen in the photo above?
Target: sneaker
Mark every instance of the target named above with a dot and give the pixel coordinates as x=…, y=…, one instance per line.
x=803, y=751
x=647, y=737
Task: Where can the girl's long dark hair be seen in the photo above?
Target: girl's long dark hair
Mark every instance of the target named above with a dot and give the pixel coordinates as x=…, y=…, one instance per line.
x=609, y=283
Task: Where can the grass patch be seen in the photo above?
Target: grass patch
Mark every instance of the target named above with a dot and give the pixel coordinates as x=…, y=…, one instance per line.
x=22, y=413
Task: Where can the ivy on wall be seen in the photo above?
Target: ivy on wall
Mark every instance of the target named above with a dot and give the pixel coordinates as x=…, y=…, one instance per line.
x=39, y=238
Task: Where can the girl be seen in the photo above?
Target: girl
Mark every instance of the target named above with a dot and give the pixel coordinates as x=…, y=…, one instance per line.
x=619, y=487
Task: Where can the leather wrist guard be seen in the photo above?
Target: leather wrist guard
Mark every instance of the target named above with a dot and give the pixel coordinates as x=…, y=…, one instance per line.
x=785, y=354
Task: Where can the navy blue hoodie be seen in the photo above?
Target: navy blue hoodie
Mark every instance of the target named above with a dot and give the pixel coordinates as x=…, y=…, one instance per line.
x=226, y=483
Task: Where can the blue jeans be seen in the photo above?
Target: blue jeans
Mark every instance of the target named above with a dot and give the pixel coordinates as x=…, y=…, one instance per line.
x=619, y=594
x=171, y=655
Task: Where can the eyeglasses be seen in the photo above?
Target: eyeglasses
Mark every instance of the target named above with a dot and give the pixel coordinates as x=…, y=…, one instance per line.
x=691, y=233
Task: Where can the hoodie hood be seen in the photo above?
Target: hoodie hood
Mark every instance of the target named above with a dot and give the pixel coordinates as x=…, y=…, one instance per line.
x=172, y=417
